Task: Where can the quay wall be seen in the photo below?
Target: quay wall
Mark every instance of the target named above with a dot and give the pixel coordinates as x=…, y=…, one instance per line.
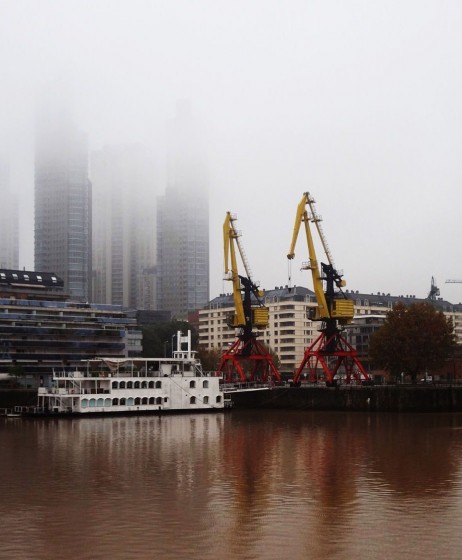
x=383, y=398
x=9, y=398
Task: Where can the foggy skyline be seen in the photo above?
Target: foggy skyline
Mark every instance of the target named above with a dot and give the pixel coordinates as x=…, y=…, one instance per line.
x=356, y=102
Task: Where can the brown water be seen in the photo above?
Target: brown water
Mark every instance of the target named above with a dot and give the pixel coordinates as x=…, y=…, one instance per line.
x=240, y=485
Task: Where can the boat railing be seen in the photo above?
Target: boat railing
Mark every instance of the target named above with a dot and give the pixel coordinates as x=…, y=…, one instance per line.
x=80, y=375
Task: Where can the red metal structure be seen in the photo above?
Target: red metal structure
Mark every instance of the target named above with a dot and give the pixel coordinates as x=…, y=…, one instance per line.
x=343, y=359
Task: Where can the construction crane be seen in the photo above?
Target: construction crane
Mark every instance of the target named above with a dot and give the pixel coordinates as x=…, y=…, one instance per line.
x=247, y=359
x=434, y=290
x=334, y=310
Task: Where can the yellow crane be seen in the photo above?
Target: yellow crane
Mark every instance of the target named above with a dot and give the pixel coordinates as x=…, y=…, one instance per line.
x=331, y=351
x=247, y=359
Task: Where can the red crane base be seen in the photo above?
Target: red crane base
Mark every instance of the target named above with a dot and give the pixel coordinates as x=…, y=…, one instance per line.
x=248, y=362
x=342, y=362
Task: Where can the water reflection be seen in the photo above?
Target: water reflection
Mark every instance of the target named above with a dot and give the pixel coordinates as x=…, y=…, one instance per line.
x=239, y=485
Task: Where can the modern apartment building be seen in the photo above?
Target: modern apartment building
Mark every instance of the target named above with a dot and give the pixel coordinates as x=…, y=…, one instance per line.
x=9, y=222
x=183, y=223
x=290, y=329
x=63, y=203
x=124, y=227
x=41, y=330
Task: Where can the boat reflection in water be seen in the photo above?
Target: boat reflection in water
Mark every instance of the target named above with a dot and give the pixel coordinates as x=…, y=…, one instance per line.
x=246, y=484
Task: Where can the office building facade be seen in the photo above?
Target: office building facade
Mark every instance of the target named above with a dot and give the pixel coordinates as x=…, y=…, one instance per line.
x=41, y=330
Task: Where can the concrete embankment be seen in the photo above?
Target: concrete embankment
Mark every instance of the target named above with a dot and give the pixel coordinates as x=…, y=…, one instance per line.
x=9, y=398
x=385, y=398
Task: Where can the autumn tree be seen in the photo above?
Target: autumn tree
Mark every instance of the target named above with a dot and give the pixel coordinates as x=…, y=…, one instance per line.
x=413, y=339
x=210, y=359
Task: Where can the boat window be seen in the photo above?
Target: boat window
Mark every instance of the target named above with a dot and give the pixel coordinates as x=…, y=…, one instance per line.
x=107, y=402
x=92, y=402
x=122, y=385
x=123, y=402
x=100, y=402
x=84, y=403
x=159, y=400
x=137, y=385
x=206, y=400
x=158, y=384
x=129, y=385
x=137, y=401
x=144, y=400
x=151, y=384
x=152, y=400
x=115, y=402
x=144, y=385
x=115, y=385
x=192, y=384
x=130, y=401
x=165, y=399
x=218, y=398
x=205, y=384
x=192, y=400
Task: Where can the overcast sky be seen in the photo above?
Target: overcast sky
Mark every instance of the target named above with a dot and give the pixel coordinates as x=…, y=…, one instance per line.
x=358, y=102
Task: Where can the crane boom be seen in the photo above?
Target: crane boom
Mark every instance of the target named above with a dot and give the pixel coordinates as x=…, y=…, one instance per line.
x=247, y=358
x=329, y=306
x=333, y=309
x=246, y=315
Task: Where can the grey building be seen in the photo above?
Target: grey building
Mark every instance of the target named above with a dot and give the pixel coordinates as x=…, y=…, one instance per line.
x=183, y=222
x=40, y=329
x=124, y=232
x=63, y=203
x=9, y=222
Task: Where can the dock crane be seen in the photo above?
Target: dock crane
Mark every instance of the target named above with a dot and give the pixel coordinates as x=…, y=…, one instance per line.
x=247, y=359
x=334, y=310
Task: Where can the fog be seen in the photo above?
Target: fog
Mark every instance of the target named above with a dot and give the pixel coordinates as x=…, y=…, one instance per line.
x=356, y=101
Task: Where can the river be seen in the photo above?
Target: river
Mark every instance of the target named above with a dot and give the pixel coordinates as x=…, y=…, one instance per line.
x=234, y=485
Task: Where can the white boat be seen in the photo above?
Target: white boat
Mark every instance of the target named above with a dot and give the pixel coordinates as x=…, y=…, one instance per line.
x=134, y=385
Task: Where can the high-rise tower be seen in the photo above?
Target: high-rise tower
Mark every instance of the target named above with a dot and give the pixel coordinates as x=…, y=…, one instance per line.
x=63, y=203
x=9, y=222
x=124, y=232
x=183, y=222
